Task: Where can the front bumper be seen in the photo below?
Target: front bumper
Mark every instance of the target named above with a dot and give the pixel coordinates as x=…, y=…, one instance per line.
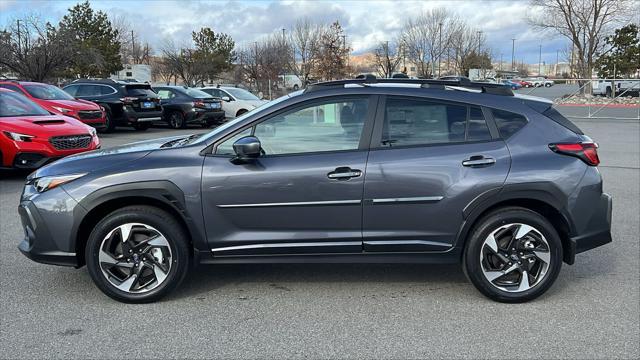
x=38, y=243
x=598, y=232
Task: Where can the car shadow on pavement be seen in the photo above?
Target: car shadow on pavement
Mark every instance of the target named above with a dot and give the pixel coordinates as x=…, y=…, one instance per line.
x=207, y=278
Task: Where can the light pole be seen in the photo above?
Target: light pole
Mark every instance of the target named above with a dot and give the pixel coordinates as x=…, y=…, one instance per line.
x=540, y=61
x=479, y=40
x=513, y=53
x=500, y=66
x=439, y=47
x=557, y=61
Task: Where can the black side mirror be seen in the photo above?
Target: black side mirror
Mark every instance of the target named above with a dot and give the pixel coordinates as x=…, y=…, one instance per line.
x=246, y=148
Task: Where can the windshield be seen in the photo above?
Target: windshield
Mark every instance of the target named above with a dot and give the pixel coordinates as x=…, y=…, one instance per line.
x=47, y=92
x=197, y=93
x=241, y=94
x=240, y=118
x=140, y=90
x=12, y=104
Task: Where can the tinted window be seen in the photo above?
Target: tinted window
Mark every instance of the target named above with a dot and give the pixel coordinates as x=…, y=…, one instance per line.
x=554, y=115
x=89, y=90
x=165, y=94
x=477, y=128
x=328, y=126
x=12, y=104
x=12, y=88
x=71, y=90
x=198, y=94
x=508, y=123
x=241, y=94
x=226, y=148
x=212, y=92
x=415, y=122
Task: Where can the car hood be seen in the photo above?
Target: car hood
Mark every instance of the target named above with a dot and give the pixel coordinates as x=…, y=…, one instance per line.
x=102, y=159
x=72, y=104
x=44, y=126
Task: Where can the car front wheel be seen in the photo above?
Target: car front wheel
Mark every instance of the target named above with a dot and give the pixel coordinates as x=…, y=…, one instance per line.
x=513, y=255
x=137, y=254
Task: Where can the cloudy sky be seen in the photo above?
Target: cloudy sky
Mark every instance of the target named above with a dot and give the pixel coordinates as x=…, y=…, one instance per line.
x=366, y=22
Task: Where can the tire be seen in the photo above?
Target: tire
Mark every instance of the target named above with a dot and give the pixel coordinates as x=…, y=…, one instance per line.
x=151, y=281
x=110, y=124
x=240, y=112
x=176, y=120
x=506, y=270
x=295, y=87
x=609, y=92
x=547, y=85
x=142, y=126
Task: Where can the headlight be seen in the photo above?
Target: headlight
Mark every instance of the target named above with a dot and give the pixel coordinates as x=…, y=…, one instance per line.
x=92, y=131
x=62, y=110
x=49, y=182
x=18, y=137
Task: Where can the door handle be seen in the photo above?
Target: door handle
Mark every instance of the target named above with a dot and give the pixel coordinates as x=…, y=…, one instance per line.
x=344, y=173
x=478, y=161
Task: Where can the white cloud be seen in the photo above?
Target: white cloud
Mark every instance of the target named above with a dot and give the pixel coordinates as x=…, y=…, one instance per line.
x=366, y=23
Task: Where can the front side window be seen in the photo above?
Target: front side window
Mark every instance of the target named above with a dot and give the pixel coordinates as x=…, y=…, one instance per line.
x=89, y=90
x=508, y=123
x=11, y=87
x=329, y=126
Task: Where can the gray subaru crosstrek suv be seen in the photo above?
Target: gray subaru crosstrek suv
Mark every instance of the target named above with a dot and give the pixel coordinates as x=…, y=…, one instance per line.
x=375, y=171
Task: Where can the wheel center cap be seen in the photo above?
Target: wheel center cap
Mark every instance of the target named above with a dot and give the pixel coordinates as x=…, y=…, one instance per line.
x=514, y=257
x=136, y=258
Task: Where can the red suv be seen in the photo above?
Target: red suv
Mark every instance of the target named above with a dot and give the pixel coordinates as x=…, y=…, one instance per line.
x=31, y=137
x=57, y=101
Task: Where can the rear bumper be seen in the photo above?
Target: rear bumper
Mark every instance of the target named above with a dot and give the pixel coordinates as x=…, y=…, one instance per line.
x=206, y=116
x=598, y=233
x=142, y=116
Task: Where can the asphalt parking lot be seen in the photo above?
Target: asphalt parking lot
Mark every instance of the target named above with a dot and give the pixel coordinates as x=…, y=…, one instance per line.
x=344, y=311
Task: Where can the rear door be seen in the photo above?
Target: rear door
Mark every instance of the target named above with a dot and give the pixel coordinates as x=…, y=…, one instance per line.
x=304, y=194
x=428, y=160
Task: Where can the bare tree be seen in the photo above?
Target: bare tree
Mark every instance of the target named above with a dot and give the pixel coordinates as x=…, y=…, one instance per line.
x=133, y=49
x=387, y=57
x=332, y=53
x=35, y=50
x=427, y=37
x=584, y=22
x=465, y=43
x=305, y=40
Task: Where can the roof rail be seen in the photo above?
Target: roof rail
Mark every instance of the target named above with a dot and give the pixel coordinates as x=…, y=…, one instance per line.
x=488, y=88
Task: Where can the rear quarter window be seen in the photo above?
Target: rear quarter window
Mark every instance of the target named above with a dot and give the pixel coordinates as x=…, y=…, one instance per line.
x=554, y=115
x=508, y=123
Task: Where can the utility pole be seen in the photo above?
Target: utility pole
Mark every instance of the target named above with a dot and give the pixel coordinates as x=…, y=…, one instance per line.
x=557, y=61
x=513, y=53
x=479, y=40
x=500, y=66
x=540, y=61
x=133, y=48
x=19, y=40
x=439, y=47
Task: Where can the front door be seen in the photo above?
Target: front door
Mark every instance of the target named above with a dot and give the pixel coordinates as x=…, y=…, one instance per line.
x=428, y=160
x=304, y=194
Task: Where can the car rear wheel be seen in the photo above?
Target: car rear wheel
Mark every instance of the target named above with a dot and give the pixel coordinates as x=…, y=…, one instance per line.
x=137, y=254
x=513, y=255
x=240, y=112
x=176, y=120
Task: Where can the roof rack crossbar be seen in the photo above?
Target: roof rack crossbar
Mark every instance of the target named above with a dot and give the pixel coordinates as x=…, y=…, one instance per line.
x=489, y=88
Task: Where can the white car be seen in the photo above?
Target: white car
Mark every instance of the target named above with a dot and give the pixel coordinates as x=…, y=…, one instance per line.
x=235, y=101
x=540, y=81
x=290, y=82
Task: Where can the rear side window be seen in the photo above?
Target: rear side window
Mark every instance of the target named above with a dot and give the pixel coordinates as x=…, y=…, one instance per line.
x=422, y=122
x=508, y=123
x=554, y=115
x=71, y=90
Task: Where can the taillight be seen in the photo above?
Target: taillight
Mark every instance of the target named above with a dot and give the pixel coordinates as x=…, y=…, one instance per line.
x=586, y=151
x=128, y=99
x=199, y=104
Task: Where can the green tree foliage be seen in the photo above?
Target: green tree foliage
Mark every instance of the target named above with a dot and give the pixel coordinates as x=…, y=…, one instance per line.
x=622, y=58
x=96, y=46
x=475, y=60
x=213, y=53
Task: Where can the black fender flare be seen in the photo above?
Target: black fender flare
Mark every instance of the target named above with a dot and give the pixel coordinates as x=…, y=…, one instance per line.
x=163, y=191
x=545, y=192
